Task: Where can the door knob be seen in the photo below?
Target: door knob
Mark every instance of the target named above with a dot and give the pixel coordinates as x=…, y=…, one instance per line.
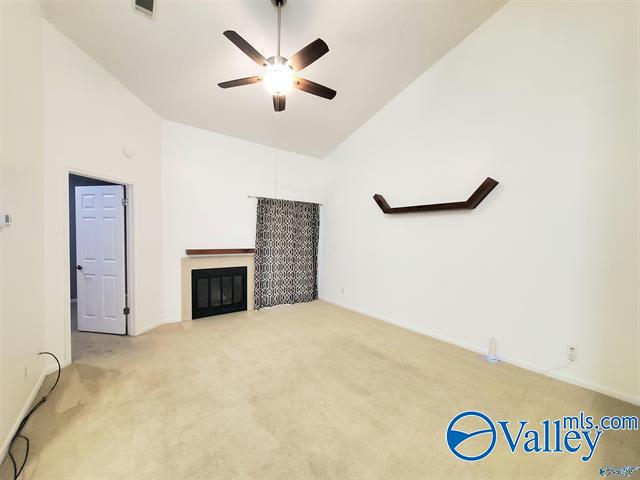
x=78, y=267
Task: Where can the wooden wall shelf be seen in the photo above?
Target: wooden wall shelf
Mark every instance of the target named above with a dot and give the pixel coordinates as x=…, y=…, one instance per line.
x=219, y=251
x=472, y=202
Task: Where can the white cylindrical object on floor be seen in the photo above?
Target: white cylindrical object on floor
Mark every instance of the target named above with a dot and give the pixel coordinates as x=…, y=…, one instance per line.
x=492, y=356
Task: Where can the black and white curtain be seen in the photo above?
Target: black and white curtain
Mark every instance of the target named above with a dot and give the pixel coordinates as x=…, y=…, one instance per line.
x=286, y=259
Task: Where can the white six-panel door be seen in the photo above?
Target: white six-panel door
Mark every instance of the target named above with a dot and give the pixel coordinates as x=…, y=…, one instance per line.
x=100, y=255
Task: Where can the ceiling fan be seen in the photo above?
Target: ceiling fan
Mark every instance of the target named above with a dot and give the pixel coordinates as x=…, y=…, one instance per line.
x=280, y=74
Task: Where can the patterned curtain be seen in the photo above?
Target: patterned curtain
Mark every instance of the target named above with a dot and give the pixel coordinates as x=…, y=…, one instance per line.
x=286, y=260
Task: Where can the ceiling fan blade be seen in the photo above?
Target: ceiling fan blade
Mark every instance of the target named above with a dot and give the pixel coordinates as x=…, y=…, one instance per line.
x=279, y=102
x=240, y=81
x=243, y=45
x=308, y=55
x=314, y=88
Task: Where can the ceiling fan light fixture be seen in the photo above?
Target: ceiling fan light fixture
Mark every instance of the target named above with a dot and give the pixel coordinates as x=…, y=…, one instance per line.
x=280, y=75
x=278, y=79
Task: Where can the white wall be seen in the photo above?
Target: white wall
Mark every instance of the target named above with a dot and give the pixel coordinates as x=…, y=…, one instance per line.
x=90, y=118
x=544, y=98
x=206, y=180
x=21, y=195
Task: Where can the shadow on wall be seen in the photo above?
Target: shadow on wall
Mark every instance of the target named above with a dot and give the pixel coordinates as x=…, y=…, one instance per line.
x=76, y=181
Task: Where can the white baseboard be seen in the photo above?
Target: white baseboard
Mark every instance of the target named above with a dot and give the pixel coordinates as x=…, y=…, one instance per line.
x=152, y=326
x=23, y=412
x=48, y=369
x=53, y=367
x=564, y=377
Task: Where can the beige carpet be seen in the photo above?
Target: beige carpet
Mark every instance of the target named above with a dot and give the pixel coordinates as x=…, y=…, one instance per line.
x=307, y=391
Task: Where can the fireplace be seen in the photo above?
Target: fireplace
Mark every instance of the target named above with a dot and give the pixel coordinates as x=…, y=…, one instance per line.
x=218, y=290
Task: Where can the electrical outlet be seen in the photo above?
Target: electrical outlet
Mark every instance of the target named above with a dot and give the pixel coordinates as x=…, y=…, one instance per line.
x=342, y=290
x=572, y=353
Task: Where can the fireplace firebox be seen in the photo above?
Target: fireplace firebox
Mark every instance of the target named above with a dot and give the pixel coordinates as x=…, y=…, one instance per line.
x=218, y=290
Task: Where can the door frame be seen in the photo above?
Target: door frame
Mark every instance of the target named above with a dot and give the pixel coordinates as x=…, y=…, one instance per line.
x=129, y=192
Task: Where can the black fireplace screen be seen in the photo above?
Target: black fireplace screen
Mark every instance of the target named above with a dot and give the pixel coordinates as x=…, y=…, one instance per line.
x=218, y=290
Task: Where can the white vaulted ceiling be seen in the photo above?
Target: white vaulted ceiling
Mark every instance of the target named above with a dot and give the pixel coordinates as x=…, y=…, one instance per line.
x=174, y=61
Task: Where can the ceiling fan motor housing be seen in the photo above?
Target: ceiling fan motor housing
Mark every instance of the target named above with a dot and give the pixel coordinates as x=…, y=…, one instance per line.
x=276, y=60
x=278, y=2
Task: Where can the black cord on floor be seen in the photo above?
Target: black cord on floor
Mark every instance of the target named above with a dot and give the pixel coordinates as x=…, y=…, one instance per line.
x=17, y=471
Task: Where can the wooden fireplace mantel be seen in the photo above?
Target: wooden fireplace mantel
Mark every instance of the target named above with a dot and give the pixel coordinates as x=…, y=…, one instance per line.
x=219, y=251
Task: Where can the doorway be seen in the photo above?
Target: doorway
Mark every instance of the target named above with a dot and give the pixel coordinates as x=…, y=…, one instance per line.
x=98, y=256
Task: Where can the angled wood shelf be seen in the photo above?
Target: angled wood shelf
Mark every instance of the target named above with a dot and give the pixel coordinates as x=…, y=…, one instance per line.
x=219, y=251
x=472, y=202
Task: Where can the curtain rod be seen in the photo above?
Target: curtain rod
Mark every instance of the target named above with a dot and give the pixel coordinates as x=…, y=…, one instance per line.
x=272, y=198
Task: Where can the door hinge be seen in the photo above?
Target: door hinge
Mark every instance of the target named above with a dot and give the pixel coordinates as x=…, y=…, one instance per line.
x=125, y=202
x=126, y=310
